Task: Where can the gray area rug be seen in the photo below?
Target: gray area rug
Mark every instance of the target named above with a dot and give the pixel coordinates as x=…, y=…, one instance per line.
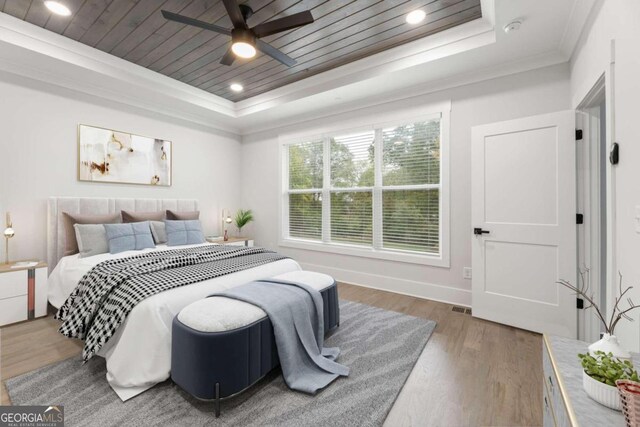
x=381, y=347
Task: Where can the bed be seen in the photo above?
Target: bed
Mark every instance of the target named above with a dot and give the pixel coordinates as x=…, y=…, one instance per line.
x=138, y=356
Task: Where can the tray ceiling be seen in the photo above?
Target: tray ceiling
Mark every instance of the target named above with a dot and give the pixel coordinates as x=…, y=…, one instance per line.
x=343, y=31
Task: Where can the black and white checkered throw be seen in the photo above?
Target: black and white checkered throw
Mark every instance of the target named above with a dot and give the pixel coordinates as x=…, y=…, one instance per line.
x=106, y=295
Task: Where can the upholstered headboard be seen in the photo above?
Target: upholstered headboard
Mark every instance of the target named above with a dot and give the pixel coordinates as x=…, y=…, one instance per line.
x=97, y=206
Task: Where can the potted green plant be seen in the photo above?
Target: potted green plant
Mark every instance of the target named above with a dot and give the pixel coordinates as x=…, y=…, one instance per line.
x=243, y=217
x=599, y=376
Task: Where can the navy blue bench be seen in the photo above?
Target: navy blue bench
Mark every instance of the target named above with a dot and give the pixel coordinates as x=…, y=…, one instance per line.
x=221, y=346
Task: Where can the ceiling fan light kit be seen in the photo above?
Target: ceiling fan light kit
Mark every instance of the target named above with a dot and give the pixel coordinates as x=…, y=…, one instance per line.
x=246, y=41
x=243, y=43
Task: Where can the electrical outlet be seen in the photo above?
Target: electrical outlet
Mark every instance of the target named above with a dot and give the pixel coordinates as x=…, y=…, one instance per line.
x=466, y=273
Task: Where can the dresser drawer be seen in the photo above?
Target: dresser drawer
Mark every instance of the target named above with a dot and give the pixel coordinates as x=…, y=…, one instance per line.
x=548, y=420
x=554, y=394
x=13, y=310
x=13, y=284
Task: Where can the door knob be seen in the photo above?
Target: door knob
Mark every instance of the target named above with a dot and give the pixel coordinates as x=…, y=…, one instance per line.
x=480, y=231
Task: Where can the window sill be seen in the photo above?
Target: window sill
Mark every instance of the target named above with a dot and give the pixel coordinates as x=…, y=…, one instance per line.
x=352, y=250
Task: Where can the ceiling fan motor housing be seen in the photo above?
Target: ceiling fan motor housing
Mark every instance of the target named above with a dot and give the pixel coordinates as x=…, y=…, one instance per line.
x=246, y=11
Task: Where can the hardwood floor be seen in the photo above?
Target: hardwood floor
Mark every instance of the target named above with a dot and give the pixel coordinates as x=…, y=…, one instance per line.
x=471, y=373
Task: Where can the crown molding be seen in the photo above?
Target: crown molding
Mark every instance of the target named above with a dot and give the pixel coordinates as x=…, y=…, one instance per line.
x=468, y=36
x=33, y=52
x=575, y=26
x=534, y=62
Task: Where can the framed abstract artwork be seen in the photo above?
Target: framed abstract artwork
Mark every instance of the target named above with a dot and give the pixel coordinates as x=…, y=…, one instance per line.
x=106, y=155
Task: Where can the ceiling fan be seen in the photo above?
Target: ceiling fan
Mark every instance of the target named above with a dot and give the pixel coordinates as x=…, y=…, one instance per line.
x=245, y=40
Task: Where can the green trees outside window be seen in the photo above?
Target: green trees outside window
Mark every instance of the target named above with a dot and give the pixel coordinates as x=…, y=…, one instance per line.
x=382, y=187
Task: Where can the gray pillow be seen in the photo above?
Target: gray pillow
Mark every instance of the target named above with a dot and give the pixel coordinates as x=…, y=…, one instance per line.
x=70, y=242
x=133, y=236
x=184, y=232
x=92, y=239
x=159, y=232
x=141, y=216
x=183, y=216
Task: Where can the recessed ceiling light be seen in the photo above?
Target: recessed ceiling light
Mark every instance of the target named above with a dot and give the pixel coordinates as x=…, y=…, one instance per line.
x=243, y=50
x=416, y=17
x=57, y=8
x=236, y=87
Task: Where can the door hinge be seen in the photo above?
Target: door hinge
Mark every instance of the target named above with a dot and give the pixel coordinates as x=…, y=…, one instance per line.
x=579, y=303
x=578, y=134
x=579, y=219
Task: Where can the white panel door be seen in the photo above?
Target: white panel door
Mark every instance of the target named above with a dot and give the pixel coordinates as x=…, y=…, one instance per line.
x=524, y=203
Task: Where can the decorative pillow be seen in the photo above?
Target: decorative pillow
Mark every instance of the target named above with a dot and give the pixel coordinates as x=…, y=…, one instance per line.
x=183, y=216
x=92, y=239
x=159, y=232
x=70, y=242
x=133, y=236
x=141, y=216
x=184, y=232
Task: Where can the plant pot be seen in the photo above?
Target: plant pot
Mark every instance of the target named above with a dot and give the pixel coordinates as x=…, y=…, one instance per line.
x=602, y=393
x=609, y=344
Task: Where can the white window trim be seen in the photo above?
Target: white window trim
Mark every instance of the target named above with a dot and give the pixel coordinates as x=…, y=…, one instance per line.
x=443, y=110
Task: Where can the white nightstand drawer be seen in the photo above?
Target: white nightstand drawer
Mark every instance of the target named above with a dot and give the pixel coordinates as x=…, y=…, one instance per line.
x=13, y=310
x=13, y=284
x=240, y=243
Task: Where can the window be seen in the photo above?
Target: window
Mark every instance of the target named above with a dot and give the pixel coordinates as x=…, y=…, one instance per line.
x=374, y=192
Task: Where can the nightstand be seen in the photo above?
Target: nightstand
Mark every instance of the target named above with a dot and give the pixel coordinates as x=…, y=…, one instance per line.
x=23, y=292
x=233, y=241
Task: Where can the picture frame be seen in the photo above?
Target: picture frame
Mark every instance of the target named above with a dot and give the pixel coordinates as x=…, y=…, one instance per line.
x=111, y=156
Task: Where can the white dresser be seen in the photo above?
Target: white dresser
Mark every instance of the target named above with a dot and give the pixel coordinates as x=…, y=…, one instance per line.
x=565, y=402
x=23, y=293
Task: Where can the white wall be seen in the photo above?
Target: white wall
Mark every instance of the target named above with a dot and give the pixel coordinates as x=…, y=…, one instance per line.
x=38, y=159
x=615, y=20
x=535, y=92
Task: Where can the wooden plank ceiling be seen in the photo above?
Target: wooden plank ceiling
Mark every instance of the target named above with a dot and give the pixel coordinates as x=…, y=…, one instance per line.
x=343, y=31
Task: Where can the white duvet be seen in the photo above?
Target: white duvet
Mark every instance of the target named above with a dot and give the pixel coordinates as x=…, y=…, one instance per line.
x=139, y=354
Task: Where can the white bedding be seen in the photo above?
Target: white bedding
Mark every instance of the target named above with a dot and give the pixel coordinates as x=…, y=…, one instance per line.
x=139, y=354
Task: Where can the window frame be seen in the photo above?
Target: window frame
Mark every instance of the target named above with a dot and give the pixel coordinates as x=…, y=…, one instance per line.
x=440, y=111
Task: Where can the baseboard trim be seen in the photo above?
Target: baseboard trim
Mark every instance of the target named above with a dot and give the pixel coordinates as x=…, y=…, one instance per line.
x=410, y=288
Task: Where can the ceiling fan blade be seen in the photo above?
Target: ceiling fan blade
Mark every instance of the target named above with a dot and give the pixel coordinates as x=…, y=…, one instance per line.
x=283, y=24
x=235, y=14
x=267, y=49
x=194, y=22
x=228, y=57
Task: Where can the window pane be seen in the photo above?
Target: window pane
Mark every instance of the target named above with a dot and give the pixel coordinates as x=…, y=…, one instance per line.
x=352, y=217
x=305, y=216
x=352, y=160
x=411, y=220
x=305, y=165
x=411, y=154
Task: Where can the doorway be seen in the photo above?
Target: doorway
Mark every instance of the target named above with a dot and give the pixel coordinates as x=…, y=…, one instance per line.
x=592, y=162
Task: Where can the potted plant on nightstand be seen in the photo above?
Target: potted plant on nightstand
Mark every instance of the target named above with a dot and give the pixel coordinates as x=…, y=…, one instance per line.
x=599, y=376
x=243, y=218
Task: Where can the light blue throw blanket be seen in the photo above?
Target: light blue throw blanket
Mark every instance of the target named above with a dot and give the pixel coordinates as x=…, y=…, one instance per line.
x=296, y=313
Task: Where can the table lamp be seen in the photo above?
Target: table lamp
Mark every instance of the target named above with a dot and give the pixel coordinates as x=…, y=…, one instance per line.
x=8, y=233
x=226, y=220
